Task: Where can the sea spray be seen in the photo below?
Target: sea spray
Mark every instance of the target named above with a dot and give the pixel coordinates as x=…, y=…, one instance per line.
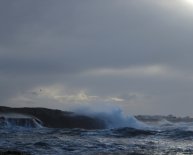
x=112, y=115
x=176, y=138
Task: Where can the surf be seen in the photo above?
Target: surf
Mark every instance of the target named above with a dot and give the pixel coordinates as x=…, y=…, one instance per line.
x=10, y=120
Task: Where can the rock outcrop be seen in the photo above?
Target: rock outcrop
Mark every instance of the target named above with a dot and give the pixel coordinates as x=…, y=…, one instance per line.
x=57, y=118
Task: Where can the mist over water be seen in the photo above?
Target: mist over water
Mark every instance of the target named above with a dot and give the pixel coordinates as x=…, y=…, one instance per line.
x=111, y=114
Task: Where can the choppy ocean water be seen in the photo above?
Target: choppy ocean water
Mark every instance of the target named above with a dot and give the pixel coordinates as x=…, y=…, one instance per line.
x=158, y=138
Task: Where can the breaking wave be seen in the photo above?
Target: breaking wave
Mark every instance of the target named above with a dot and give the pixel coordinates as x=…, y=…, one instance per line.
x=123, y=134
x=18, y=120
x=112, y=116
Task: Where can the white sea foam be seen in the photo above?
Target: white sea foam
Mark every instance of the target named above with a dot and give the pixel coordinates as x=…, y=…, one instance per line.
x=19, y=120
x=112, y=115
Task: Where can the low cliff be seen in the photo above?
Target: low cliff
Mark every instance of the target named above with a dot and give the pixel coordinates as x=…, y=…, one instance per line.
x=57, y=118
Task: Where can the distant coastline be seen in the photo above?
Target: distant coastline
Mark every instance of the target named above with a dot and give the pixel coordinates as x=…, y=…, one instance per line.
x=170, y=118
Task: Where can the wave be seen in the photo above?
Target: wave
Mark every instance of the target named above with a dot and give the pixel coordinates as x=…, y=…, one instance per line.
x=108, y=118
x=117, y=119
x=110, y=121
x=112, y=116
x=18, y=120
x=176, y=134
x=130, y=132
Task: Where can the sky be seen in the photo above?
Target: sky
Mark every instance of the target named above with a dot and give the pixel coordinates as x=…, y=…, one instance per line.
x=132, y=54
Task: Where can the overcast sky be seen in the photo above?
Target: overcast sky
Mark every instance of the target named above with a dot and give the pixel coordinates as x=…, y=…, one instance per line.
x=134, y=54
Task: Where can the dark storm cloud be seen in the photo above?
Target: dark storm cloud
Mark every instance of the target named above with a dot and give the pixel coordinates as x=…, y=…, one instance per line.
x=57, y=42
x=82, y=33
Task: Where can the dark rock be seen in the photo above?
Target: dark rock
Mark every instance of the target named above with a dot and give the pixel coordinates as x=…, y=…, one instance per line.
x=57, y=118
x=13, y=153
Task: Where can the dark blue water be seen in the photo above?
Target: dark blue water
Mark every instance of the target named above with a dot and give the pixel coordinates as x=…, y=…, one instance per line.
x=158, y=139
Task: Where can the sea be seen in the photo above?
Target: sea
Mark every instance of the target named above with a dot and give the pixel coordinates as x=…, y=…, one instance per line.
x=125, y=136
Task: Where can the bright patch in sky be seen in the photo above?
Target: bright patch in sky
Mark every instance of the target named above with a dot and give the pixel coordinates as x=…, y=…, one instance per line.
x=189, y=1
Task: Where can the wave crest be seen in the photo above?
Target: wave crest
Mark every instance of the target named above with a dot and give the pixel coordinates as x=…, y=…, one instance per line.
x=17, y=120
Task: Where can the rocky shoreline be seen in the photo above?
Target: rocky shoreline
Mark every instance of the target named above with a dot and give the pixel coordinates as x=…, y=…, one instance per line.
x=53, y=118
x=56, y=118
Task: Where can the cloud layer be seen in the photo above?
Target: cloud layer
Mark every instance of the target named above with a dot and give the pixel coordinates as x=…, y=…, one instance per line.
x=136, y=54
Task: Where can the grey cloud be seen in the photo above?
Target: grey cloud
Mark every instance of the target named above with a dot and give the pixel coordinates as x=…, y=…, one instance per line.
x=108, y=37
x=47, y=42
